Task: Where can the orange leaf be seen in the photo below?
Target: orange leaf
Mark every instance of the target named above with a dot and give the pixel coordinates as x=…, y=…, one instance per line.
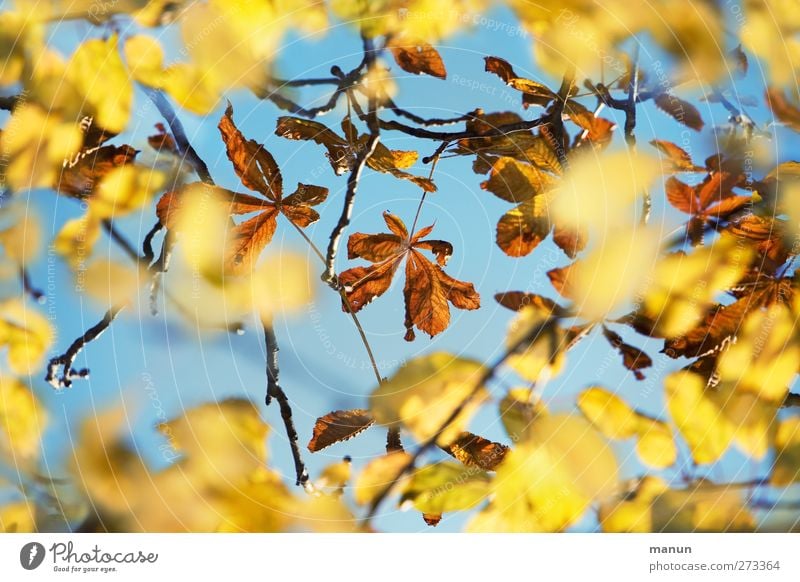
x=679, y=159
x=476, y=451
x=254, y=165
x=428, y=288
x=417, y=57
x=681, y=196
x=338, y=426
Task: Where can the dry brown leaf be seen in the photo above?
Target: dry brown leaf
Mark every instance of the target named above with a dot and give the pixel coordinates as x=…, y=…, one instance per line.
x=338, y=426
x=428, y=288
x=417, y=57
x=680, y=110
x=476, y=451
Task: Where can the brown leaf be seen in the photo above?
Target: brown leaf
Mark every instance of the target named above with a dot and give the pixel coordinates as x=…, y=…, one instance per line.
x=246, y=240
x=679, y=159
x=680, y=110
x=533, y=93
x=739, y=61
x=718, y=328
x=570, y=240
x=475, y=451
x=516, y=181
x=338, y=426
x=521, y=229
x=633, y=358
x=341, y=154
x=785, y=111
x=518, y=300
x=559, y=278
x=428, y=289
x=681, y=196
x=598, y=130
x=254, y=165
x=79, y=176
x=417, y=57
x=162, y=141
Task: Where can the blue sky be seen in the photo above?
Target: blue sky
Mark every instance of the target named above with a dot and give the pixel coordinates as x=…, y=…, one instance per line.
x=157, y=367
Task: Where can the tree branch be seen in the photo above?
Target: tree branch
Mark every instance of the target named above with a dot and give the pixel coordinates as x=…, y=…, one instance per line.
x=67, y=359
x=275, y=391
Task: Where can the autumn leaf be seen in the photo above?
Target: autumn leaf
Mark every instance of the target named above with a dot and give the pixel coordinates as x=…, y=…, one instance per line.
x=616, y=420
x=378, y=475
x=678, y=158
x=445, y=487
x=633, y=358
x=711, y=200
x=546, y=483
x=417, y=57
x=338, y=426
x=343, y=151
x=680, y=110
x=425, y=392
x=518, y=300
x=428, y=288
x=518, y=410
x=476, y=451
x=258, y=171
x=783, y=109
x=533, y=93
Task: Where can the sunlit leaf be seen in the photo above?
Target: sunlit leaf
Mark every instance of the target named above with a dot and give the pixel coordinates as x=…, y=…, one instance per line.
x=426, y=392
x=338, y=426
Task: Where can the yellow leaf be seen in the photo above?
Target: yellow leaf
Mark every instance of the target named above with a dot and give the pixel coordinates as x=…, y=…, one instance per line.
x=76, y=239
x=425, y=392
x=22, y=239
x=111, y=283
x=598, y=192
x=702, y=507
x=34, y=146
x=446, y=487
x=18, y=518
x=684, y=286
x=608, y=413
x=547, y=482
x=700, y=421
x=518, y=410
x=125, y=189
x=27, y=334
x=786, y=469
x=543, y=358
x=632, y=514
x=379, y=474
x=614, y=272
x=97, y=70
x=22, y=421
x=655, y=445
x=764, y=358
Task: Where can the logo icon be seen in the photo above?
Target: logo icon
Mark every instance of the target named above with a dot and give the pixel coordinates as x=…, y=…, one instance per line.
x=31, y=555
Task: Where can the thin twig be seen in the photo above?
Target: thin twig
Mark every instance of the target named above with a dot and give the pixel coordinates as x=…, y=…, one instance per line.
x=329, y=275
x=67, y=359
x=27, y=286
x=275, y=391
x=179, y=133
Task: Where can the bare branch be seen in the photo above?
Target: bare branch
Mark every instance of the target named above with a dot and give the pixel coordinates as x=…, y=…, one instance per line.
x=275, y=391
x=66, y=360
